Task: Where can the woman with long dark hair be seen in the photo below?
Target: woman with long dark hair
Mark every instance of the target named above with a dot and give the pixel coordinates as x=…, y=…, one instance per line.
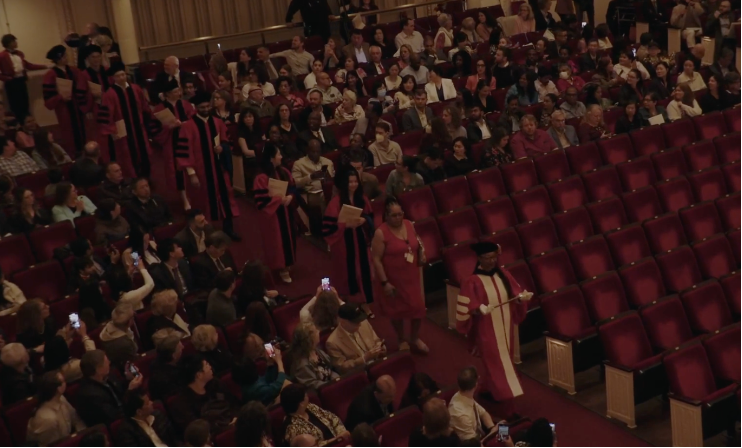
x=633, y=89
x=350, y=238
x=524, y=87
x=459, y=162
x=630, y=120
x=27, y=215
x=482, y=97
x=354, y=83
x=683, y=104
x=276, y=222
x=499, y=153
x=379, y=39
x=594, y=95
x=486, y=25
x=662, y=81
x=406, y=94
x=249, y=136
x=715, y=99
x=252, y=427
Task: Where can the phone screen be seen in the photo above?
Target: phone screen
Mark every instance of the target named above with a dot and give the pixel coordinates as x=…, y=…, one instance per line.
x=75, y=320
x=269, y=350
x=326, y=284
x=503, y=431
x=553, y=427
x=135, y=258
x=133, y=370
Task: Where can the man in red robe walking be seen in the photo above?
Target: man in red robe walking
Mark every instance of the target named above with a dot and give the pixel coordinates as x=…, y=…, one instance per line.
x=485, y=313
x=67, y=104
x=200, y=145
x=124, y=114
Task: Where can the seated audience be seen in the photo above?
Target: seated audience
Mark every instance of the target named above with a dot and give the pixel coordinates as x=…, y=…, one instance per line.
x=594, y=95
x=330, y=93
x=354, y=83
x=420, y=389
x=572, y=107
x=17, y=377
x=110, y=225
x=549, y=105
x=419, y=116
x=303, y=417
x=39, y=144
x=309, y=173
x=364, y=435
x=481, y=75
x=732, y=83
x=257, y=78
x=405, y=97
x=651, y=113
x=173, y=271
x=483, y=99
x=314, y=100
x=691, y=77
x=117, y=339
x=310, y=81
x=144, y=425
x=469, y=419
x=530, y=140
x=403, y=178
x=373, y=403
x=57, y=355
x=430, y=165
x=215, y=259
x=604, y=75
x=68, y=205
x=439, y=88
x=592, y=127
x=54, y=417
x=321, y=311
x=451, y=117
x=630, y=120
x=369, y=182
x=524, y=87
x=36, y=326
x=563, y=134
x=724, y=64
x=252, y=427
x=192, y=239
x=510, y=118
x=147, y=210
x=436, y=429
x=86, y=281
x=261, y=388
x=310, y=365
x=144, y=244
x=256, y=100
x=499, y=152
x=11, y=296
x=384, y=150
x=164, y=309
x=198, y=434
x=349, y=110
x=503, y=70
x=420, y=72
x=322, y=133
x=220, y=310
x=716, y=98
x=459, y=162
x=626, y=63
x=206, y=342
x=544, y=85
x=253, y=287
x=27, y=215
x=478, y=128
x=633, y=89
x=87, y=171
x=661, y=81
x=164, y=376
x=55, y=176
x=683, y=104
x=353, y=332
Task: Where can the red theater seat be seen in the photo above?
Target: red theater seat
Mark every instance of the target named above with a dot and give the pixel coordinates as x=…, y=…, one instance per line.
x=45, y=281
x=451, y=194
x=715, y=256
x=710, y=125
x=573, y=225
x=669, y=164
x=664, y=232
x=496, y=214
x=552, y=166
x=701, y=155
x=679, y=133
x=532, y=204
x=395, y=429
x=604, y=296
x=708, y=184
x=552, y=270
x=537, y=236
x=427, y=230
x=286, y=317
x=35, y=181
x=591, y=257
x=566, y=313
x=17, y=417
x=731, y=176
x=519, y=175
x=45, y=240
x=616, y=150
x=732, y=118
x=731, y=285
x=679, y=268
x=15, y=254
x=642, y=282
x=607, y=214
x=583, y=158
x=602, y=183
x=234, y=334
x=337, y=395
x=727, y=147
x=666, y=323
x=723, y=350
x=458, y=261
x=648, y=140
x=399, y=366
x=729, y=210
x=460, y=225
x=567, y=194
x=636, y=173
x=642, y=204
x=486, y=184
x=675, y=194
x=701, y=221
x=706, y=307
x=509, y=243
x=418, y=204
x=628, y=244
x=62, y=309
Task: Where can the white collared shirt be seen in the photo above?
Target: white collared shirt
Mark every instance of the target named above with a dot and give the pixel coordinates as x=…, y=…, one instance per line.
x=466, y=417
x=147, y=428
x=485, y=130
x=360, y=56
x=17, y=65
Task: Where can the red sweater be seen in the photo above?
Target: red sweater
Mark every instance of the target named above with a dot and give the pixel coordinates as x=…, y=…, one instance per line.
x=7, y=72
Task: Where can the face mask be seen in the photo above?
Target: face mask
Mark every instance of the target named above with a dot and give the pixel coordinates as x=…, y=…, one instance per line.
x=381, y=93
x=564, y=75
x=380, y=138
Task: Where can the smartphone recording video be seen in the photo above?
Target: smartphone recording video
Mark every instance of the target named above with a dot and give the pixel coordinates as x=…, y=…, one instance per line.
x=326, y=284
x=135, y=258
x=503, y=432
x=75, y=320
x=269, y=350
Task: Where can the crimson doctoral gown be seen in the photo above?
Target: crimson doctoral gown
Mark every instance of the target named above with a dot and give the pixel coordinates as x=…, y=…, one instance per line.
x=69, y=113
x=92, y=104
x=167, y=138
x=196, y=152
x=493, y=333
x=276, y=222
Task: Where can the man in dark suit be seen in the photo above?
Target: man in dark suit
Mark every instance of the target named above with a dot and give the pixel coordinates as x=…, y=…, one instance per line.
x=413, y=119
x=143, y=425
x=173, y=272
x=213, y=260
x=430, y=165
x=478, y=128
x=171, y=70
x=314, y=98
x=323, y=134
x=374, y=66
x=147, y=210
x=115, y=186
x=373, y=403
x=589, y=60
x=86, y=171
x=560, y=40
x=357, y=48
x=193, y=237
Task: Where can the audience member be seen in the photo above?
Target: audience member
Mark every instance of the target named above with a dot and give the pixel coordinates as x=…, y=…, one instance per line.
x=436, y=429
x=716, y=98
x=262, y=388
x=481, y=75
x=691, y=77
x=633, y=89
x=420, y=389
x=544, y=85
x=524, y=88
x=683, y=104
x=626, y=63
x=164, y=309
x=353, y=333
x=17, y=377
x=409, y=36
x=11, y=296
x=147, y=210
x=630, y=120
x=330, y=93
x=87, y=170
x=110, y=225
x=198, y=434
x=725, y=63
x=594, y=95
x=567, y=79
x=510, y=118
x=164, y=377
x=27, y=215
x=360, y=158
x=252, y=427
x=561, y=36
x=439, y=88
x=592, y=127
x=298, y=58
x=373, y=403
x=57, y=355
x=69, y=205
x=256, y=100
x=459, y=162
x=322, y=133
x=13, y=162
x=502, y=70
x=322, y=310
x=257, y=78
x=469, y=419
x=206, y=342
x=220, y=310
x=719, y=26
x=35, y=325
x=499, y=153
x=310, y=365
x=482, y=98
x=384, y=150
x=589, y=61
x=253, y=289
x=430, y=165
x=349, y=110
x=364, y=435
x=303, y=417
x=419, y=116
x=54, y=417
x=561, y=133
x=651, y=113
x=478, y=128
x=192, y=239
x=173, y=271
x=604, y=75
x=115, y=186
x=572, y=107
x=530, y=140
x=117, y=339
x=144, y=425
x=403, y=178
x=215, y=259
x=416, y=69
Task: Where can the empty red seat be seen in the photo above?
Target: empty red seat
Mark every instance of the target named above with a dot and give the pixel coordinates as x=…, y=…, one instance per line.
x=666, y=323
x=642, y=204
x=399, y=366
x=636, y=173
x=496, y=214
x=710, y=125
x=286, y=317
x=522, y=274
x=486, y=184
x=35, y=181
x=727, y=147
x=395, y=429
x=460, y=225
x=509, y=242
x=675, y=194
x=519, y=175
x=701, y=155
x=45, y=240
x=537, y=236
x=45, y=281
x=731, y=116
x=337, y=395
x=451, y=194
x=708, y=184
x=664, y=232
x=235, y=337
x=532, y=204
x=583, y=158
x=604, y=296
x=602, y=183
x=590, y=257
x=723, y=350
x=628, y=244
x=418, y=204
x=17, y=417
x=459, y=261
x=573, y=225
x=729, y=210
x=669, y=163
x=642, y=281
x=626, y=344
x=706, y=306
x=552, y=270
x=679, y=133
x=715, y=256
x=15, y=254
x=567, y=194
x=226, y=438
x=648, y=140
x=731, y=176
x=616, y=150
x=566, y=314
x=679, y=268
x=731, y=285
x=167, y=231
x=701, y=221
x=427, y=230
x=607, y=214
x=734, y=241
x=552, y=166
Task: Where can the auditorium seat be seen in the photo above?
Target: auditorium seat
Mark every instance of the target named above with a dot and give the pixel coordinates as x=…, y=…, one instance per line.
x=616, y=149
x=399, y=366
x=607, y=214
x=729, y=210
x=48, y=238
x=666, y=324
x=395, y=429
x=427, y=230
x=486, y=184
x=532, y=204
x=61, y=309
x=602, y=183
x=636, y=173
x=286, y=317
x=522, y=274
x=628, y=244
x=234, y=333
x=567, y=194
x=734, y=242
x=675, y=194
x=708, y=184
x=731, y=285
x=537, y=236
x=226, y=438
x=706, y=307
x=604, y=296
x=732, y=176
x=496, y=214
x=573, y=225
x=459, y=261
x=710, y=125
x=648, y=140
x=715, y=256
x=15, y=254
x=727, y=147
x=418, y=204
x=701, y=221
x=552, y=166
x=723, y=350
x=451, y=194
x=552, y=270
x=45, y=281
x=669, y=163
x=519, y=175
x=459, y=225
x=85, y=227
x=510, y=244
x=732, y=118
x=590, y=257
x=583, y=158
x=679, y=268
x=701, y=155
x=679, y=133
x=35, y=181
x=17, y=416
x=642, y=204
x=337, y=395
x=642, y=282
x=664, y=232
x=167, y=231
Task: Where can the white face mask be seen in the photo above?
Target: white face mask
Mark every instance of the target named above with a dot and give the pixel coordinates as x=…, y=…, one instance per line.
x=380, y=138
x=381, y=93
x=564, y=75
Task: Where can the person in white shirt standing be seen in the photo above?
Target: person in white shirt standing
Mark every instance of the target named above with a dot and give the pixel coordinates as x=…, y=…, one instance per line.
x=409, y=36
x=468, y=418
x=13, y=66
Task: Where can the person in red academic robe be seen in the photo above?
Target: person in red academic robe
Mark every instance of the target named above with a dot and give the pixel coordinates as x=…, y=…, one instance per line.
x=484, y=316
x=95, y=74
x=349, y=241
x=276, y=220
x=13, y=67
x=208, y=186
x=126, y=103
x=68, y=108
x=166, y=137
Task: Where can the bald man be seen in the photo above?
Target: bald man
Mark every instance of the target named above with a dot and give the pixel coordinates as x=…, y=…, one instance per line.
x=171, y=70
x=373, y=403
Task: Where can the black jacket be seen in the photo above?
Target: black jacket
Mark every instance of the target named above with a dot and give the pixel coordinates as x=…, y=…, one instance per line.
x=129, y=433
x=86, y=173
x=120, y=192
x=163, y=278
x=164, y=380
x=542, y=23
x=587, y=63
x=330, y=144
x=327, y=111
x=187, y=241
x=365, y=408
x=16, y=386
x=153, y=324
x=98, y=404
x=204, y=269
x=475, y=133
x=146, y=216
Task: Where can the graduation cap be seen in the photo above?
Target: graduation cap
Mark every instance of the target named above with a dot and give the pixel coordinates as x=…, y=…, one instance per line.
x=56, y=53
x=116, y=67
x=200, y=98
x=90, y=49
x=485, y=247
x=170, y=85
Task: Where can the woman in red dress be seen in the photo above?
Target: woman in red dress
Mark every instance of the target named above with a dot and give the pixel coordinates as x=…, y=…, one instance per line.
x=276, y=222
x=349, y=241
x=398, y=254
